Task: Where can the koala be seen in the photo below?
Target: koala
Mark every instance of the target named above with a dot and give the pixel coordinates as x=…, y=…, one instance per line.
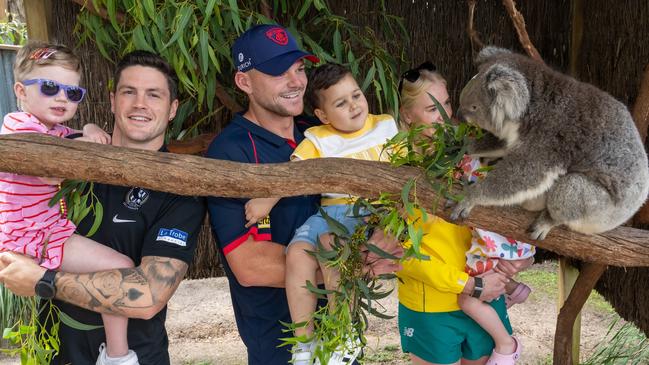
x=565, y=148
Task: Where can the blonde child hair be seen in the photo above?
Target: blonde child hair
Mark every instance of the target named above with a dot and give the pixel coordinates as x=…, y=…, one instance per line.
x=35, y=54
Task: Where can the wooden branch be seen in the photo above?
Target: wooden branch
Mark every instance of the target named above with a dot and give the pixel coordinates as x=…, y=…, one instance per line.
x=588, y=276
x=641, y=106
x=641, y=118
x=194, y=146
x=266, y=9
x=226, y=99
x=476, y=43
x=519, y=25
x=101, y=12
x=193, y=175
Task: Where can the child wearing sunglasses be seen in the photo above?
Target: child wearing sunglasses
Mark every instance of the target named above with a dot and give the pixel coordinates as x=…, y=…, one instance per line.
x=466, y=267
x=348, y=131
x=47, y=88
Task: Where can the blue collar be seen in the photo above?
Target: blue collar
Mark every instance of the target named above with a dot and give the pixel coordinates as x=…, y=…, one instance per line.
x=263, y=133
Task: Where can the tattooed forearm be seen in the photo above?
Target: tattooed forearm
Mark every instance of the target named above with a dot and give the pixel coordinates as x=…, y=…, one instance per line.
x=135, y=292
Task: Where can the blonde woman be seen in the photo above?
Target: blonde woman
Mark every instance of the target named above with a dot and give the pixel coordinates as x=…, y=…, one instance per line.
x=435, y=326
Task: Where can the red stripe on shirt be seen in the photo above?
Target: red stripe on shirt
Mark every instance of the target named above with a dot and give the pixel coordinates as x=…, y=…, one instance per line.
x=291, y=143
x=241, y=239
x=25, y=184
x=254, y=147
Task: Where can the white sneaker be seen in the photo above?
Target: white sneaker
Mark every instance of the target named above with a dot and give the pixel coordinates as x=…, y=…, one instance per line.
x=129, y=359
x=302, y=354
x=346, y=355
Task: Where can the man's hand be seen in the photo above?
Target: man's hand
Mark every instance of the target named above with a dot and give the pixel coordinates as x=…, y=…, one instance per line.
x=19, y=273
x=378, y=265
x=509, y=268
x=92, y=133
x=493, y=285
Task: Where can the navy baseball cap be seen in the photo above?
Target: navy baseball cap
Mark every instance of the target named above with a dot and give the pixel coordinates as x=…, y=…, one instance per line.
x=268, y=48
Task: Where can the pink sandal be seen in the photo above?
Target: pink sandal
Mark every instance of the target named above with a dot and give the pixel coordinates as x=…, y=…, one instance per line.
x=519, y=295
x=510, y=359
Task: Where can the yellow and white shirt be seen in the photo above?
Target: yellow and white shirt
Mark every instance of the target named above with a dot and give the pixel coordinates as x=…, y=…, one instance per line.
x=364, y=144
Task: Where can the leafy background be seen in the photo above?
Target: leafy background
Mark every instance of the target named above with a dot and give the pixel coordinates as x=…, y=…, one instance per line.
x=196, y=36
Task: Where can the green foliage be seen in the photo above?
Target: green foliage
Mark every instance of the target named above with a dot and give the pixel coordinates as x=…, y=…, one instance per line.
x=195, y=37
x=33, y=342
x=80, y=200
x=438, y=150
x=344, y=321
x=10, y=307
x=622, y=345
x=13, y=32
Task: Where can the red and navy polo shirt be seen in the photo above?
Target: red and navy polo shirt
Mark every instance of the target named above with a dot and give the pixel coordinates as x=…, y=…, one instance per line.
x=258, y=310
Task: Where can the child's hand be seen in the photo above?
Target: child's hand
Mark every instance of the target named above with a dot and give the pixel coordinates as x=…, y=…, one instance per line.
x=92, y=133
x=259, y=208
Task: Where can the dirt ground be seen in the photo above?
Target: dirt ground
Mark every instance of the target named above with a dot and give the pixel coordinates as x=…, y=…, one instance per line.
x=202, y=329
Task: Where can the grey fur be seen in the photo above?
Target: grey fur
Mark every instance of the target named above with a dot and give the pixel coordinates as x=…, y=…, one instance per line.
x=569, y=150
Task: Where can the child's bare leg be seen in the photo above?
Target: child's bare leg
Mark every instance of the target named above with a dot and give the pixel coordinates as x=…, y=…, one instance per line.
x=330, y=276
x=488, y=319
x=76, y=259
x=300, y=268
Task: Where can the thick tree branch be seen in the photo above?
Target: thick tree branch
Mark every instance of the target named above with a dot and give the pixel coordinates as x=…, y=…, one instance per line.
x=519, y=25
x=193, y=175
x=476, y=43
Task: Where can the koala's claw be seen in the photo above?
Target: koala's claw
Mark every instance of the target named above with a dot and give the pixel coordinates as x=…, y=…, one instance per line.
x=541, y=227
x=461, y=210
x=537, y=233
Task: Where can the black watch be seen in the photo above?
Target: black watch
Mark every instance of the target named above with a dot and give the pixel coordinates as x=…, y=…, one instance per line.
x=477, y=288
x=46, y=288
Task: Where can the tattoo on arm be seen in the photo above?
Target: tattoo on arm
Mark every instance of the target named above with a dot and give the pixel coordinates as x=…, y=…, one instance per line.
x=124, y=292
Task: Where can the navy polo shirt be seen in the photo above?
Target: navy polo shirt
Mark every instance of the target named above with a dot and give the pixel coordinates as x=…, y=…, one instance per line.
x=258, y=310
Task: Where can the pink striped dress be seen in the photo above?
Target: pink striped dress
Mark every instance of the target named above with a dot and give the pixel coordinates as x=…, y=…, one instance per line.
x=27, y=223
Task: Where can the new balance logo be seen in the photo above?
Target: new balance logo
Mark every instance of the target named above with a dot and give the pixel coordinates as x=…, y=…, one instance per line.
x=407, y=331
x=117, y=220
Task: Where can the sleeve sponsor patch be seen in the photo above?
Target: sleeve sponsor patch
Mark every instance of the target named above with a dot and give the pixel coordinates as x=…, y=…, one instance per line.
x=174, y=236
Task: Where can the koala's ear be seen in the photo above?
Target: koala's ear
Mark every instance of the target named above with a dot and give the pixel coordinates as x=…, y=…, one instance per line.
x=509, y=93
x=489, y=52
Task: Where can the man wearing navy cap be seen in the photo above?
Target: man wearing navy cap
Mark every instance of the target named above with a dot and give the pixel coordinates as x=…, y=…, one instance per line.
x=271, y=71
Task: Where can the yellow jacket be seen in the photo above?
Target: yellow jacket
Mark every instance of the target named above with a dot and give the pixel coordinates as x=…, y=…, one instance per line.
x=433, y=285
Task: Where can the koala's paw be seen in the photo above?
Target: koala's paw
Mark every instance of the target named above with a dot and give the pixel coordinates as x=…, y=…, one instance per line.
x=462, y=210
x=541, y=226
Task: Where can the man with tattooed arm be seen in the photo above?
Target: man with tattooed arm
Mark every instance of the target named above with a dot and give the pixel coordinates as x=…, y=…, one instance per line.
x=157, y=230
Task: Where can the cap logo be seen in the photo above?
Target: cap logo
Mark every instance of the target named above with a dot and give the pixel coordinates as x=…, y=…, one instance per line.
x=240, y=57
x=277, y=35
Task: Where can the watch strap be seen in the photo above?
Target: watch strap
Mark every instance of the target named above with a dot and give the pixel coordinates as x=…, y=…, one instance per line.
x=477, y=287
x=49, y=276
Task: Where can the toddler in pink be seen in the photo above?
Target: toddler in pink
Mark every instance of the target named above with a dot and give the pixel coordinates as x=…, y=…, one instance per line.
x=47, y=89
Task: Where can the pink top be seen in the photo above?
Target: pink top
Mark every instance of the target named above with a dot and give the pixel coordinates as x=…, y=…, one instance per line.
x=27, y=224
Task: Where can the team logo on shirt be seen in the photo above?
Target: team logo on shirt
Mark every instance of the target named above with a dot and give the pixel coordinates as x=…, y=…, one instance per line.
x=264, y=223
x=175, y=236
x=135, y=198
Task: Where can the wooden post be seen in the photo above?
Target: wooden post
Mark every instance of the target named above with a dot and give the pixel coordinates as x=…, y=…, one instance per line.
x=38, y=14
x=3, y=10
x=588, y=276
x=567, y=276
